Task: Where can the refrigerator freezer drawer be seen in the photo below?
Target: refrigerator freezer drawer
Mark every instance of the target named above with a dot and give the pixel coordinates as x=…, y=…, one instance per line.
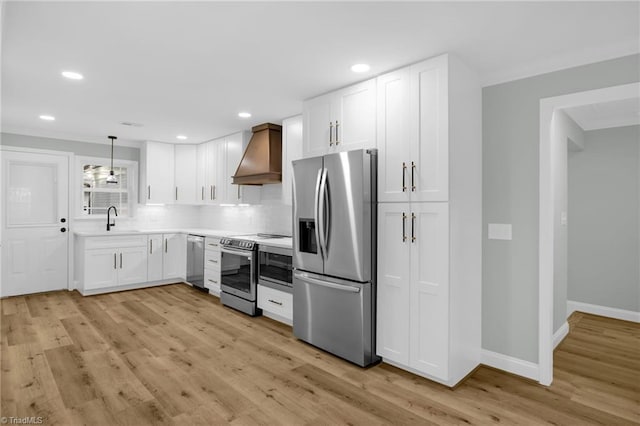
x=334, y=315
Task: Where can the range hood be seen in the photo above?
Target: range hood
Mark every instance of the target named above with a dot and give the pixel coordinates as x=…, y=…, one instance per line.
x=262, y=160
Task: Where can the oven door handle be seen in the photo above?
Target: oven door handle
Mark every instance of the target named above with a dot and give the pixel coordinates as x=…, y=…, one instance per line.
x=244, y=253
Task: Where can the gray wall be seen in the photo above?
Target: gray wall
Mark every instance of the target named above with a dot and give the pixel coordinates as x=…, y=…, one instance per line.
x=510, y=195
x=603, y=225
x=78, y=148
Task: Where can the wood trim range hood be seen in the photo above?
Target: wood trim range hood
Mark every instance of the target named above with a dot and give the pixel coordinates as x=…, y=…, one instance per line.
x=262, y=160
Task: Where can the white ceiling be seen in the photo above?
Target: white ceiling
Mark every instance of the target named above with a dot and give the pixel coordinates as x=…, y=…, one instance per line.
x=606, y=114
x=189, y=68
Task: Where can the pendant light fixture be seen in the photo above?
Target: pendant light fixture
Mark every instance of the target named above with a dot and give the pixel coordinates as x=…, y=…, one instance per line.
x=112, y=177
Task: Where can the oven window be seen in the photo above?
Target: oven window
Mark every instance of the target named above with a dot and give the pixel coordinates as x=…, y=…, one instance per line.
x=275, y=267
x=236, y=272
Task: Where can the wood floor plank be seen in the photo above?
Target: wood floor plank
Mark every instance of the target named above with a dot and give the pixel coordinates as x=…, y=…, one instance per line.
x=174, y=355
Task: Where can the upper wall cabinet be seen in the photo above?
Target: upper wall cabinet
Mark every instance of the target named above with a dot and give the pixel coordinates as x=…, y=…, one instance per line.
x=186, y=174
x=291, y=151
x=343, y=120
x=413, y=131
x=157, y=165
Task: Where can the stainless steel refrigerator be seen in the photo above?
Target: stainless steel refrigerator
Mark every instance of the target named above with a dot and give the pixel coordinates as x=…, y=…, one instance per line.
x=334, y=253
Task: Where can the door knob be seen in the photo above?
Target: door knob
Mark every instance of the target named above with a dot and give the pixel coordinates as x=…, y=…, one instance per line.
x=63, y=220
x=63, y=229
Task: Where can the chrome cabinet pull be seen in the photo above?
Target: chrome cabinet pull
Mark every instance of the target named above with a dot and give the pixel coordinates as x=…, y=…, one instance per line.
x=214, y=192
x=213, y=261
x=211, y=192
x=212, y=281
x=404, y=173
x=331, y=133
x=274, y=302
x=151, y=246
x=166, y=245
x=337, y=139
x=115, y=261
x=176, y=193
x=149, y=192
x=404, y=227
x=202, y=193
x=120, y=260
x=413, y=169
x=413, y=227
x=213, y=245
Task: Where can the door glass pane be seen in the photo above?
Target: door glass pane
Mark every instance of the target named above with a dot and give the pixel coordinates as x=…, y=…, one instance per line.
x=95, y=176
x=32, y=191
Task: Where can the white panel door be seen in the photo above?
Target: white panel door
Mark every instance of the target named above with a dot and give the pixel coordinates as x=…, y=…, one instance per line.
x=394, y=136
x=354, y=116
x=202, y=186
x=174, y=262
x=429, y=337
x=393, y=282
x=100, y=268
x=319, y=132
x=154, y=258
x=35, y=237
x=234, y=155
x=186, y=174
x=160, y=173
x=430, y=151
x=291, y=151
x=132, y=268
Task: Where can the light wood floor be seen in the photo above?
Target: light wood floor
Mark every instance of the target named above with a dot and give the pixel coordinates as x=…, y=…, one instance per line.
x=174, y=355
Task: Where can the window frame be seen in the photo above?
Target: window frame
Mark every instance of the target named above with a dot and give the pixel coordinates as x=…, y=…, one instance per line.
x=132, y=185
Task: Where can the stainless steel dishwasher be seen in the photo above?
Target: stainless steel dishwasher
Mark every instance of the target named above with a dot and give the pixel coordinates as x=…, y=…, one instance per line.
x=195, y=261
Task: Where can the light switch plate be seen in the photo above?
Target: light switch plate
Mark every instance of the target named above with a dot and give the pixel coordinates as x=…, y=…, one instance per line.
x=500, y=231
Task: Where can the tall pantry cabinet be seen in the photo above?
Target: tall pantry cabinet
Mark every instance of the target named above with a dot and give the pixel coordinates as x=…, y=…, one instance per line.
x=429, y=219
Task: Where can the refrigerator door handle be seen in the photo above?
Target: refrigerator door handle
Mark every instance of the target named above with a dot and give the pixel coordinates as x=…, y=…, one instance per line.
x=347, y=288
x=316, y=210
x=323, y=217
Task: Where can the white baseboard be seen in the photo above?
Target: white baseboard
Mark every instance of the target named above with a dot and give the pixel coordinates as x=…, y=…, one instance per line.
x=604, y=311
x=559, y=335
x=510, y=364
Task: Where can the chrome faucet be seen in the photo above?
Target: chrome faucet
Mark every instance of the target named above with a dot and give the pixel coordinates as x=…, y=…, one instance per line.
x=109, y=224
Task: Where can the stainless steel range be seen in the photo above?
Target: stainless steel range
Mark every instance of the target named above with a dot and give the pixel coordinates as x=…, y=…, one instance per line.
x=239, y=271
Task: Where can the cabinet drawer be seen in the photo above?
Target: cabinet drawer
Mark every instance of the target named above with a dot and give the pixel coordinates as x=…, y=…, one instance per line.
x=212, y=280
x=116, y=241
x=212, y=243
x=276, y=302
x=212, y=259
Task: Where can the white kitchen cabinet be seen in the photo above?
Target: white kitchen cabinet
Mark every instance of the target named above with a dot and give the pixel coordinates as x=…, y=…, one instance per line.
x=132, y=265
x=154, y=259
x=186, y=174
x=157, y=173
x=417, y=109
x=174, y=257
x=340, y=121
x=101, y=268
x=212, y=268
x=429, y=223
x=275, y=304
x=226, y=154
x=208, y=171
x=291, y=151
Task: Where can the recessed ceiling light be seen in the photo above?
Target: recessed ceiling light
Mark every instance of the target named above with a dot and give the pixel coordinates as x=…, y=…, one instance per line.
x=360, y=68
x=72, y=75
x=181, y=137
x=47, y=117
x=244, y=114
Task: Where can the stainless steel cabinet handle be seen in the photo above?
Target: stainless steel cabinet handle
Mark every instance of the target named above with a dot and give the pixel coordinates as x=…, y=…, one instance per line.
x=149, y=192
x=404, y=172
x=166, y=245
x=203, y=193
x=213, y=245
x=274, y=302
x=115, y=261
x=176, y=193
x=337, y=139
x=150, y=246
x=213, y=261
x=212, y=281
x=211, y=192
x=413, y=227
x=120, y=260
x=214, y=192
x=331, y=133
x=413, y=169
x=404, y=227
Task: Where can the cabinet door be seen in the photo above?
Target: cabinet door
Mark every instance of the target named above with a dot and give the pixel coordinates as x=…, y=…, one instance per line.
x=429, y=311
x=318, y=127
x=174, y=261
x=186, y=174
x=201, y=173
x=393, y=282
x=234, y=155
x=430, y=147
x=354, y=115
x=394, y=136
x=100, y=268
x=213, y=189
x=132, y=265
x=291, y=151
x=154, y=260
x=160, y=172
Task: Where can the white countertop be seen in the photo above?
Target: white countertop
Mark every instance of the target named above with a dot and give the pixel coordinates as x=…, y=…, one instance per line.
x=277, y=242
x=197, y=231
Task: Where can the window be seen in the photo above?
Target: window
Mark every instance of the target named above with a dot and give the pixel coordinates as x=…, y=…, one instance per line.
x=96, y=195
